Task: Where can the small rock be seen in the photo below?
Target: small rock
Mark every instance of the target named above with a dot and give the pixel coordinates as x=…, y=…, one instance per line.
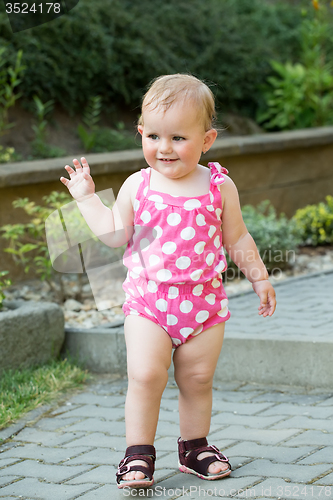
x=73, y=305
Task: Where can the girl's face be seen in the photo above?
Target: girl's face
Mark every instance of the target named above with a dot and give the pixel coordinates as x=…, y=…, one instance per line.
x=173, y=140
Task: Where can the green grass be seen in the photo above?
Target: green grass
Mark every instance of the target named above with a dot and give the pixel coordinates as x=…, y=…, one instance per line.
x=26, y=389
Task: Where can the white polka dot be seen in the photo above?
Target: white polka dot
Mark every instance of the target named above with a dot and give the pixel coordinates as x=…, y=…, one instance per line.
x=161, y=305
x=217, y=241
x=131, y=291
x=148, y=311
x=211, y=298
x=186, y=306
x=136, y=205
x=183, y=262
x=211, y=231
x=156, y=197
x=197, y=330
x=224, y=308
x=159, y=232
x=137, y=270
x=211, y=196
x=172, y=319
x=173, y=292
x=144, y=244
x=160, y=206
x=197, y=290
x=201, y=316
x=192, y=204
x=218, y=212
x=174, y=219
x=216, y=283
x=221, y=266
x=210, y=259
x=145, y=217
x=210, y=208
x=199, y=247
x=134, y=312
x=141, y=292
x=175, y=341
x=200, y=220
x=163, y=275
x=134, y=275
x=196, y=274
x=186, y=331
x=135, y=258
x=145, y=191
x=152, y=286
x=169, y=247
x=188, y=233
x=154, y=260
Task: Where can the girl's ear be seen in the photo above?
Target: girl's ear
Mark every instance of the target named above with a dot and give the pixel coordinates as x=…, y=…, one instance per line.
x=209, y=139
x=140, y=129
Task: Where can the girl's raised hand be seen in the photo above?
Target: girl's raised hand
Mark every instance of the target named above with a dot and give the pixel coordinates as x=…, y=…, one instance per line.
x=80, y=185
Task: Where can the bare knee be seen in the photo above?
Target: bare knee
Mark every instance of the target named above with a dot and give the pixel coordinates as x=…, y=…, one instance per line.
x=197, y=383
x=148, y=377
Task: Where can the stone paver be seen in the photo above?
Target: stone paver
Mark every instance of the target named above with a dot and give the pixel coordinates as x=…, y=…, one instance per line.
x=278, y=439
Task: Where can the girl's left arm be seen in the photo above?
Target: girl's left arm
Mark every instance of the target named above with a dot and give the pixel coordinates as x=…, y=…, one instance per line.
x=242, y=249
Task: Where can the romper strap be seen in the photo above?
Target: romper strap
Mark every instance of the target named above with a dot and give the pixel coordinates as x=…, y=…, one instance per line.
x=143, y=184
x=217, y=172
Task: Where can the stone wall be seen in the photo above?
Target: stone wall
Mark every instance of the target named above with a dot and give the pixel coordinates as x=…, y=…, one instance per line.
x=292, y=169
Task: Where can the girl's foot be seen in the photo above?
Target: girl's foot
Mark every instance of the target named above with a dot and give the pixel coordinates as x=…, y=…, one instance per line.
x=206, y=462
x=136, y=469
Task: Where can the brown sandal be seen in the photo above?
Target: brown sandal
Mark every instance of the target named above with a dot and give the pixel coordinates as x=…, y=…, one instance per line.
x=188, y=459
x=139, y=452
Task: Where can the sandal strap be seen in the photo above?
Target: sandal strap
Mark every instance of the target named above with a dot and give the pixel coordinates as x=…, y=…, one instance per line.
x=138, y=452
x=191, y=444
x=189, y=451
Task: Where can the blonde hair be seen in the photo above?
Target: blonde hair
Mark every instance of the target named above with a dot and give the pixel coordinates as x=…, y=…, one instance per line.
x=168, y=89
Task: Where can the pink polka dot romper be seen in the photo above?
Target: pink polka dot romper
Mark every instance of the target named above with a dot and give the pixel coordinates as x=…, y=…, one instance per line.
x=175, y=260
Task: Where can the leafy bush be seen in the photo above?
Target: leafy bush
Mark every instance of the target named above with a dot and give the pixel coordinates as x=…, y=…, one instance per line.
x=315, y=223
x=4, y=283
x=9, y=80
x=125, y=43
x=27, y=242
x=276, y=237
x=301, y=94
x=39, y=147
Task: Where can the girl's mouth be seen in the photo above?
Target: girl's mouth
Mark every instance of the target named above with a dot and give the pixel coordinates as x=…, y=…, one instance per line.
x=167, y=160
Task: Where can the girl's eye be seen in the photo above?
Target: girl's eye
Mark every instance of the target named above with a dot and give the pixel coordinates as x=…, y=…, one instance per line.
x=178, y=138
x=153, y=136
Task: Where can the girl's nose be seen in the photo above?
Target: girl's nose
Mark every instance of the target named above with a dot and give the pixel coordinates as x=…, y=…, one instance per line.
x=165, y=146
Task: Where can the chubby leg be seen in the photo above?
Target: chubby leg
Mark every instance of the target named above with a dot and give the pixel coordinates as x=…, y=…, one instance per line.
x=195, y=363
x=149, y=351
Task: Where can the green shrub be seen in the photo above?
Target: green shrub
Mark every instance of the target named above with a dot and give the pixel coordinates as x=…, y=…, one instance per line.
x=300, y=95
x=118, y=139
x=276, y=237
x=126, y=43
x=4, y=283
x=27, y=242
x=315, y=222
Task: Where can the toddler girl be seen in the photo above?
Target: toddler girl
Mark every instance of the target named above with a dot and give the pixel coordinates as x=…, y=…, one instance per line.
x=171, y=215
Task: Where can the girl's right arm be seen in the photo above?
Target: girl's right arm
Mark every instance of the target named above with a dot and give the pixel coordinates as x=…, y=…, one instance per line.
x=108, y=225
